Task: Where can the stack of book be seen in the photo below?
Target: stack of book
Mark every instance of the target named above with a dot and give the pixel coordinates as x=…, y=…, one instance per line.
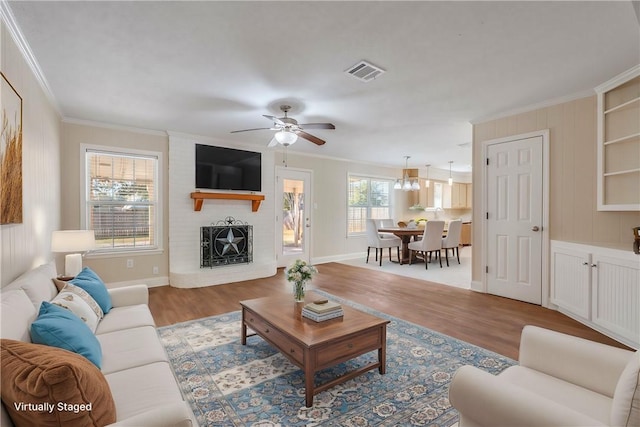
x=322, y=310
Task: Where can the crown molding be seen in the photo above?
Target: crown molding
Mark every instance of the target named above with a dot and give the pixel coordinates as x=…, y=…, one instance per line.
x=25, y=50
x=619, y=79
x=533, y=107
x=104, y=125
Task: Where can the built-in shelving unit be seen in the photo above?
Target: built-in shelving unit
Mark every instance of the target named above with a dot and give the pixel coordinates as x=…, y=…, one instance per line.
x=619, y=142
x=199, y=198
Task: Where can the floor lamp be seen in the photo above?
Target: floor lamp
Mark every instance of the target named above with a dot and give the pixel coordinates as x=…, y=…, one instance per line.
x=72, y=241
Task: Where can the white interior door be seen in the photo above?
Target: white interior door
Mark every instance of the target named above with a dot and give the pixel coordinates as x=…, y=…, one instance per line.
x=293, y=217
x=515, y=219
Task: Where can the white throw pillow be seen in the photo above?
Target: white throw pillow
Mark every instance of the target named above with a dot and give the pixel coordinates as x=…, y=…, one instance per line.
x=625, y=408
x=80, y=303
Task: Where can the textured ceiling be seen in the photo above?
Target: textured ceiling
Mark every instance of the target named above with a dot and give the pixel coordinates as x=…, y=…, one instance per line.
x=208, y=68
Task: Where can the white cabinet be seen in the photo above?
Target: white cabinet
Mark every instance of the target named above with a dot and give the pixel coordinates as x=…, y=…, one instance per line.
x=615, y=289
x=599, y=287
x=571, y=280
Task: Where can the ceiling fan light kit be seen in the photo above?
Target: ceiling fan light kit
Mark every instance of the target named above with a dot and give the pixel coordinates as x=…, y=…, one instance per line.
x=285, y=137
x=288, y=129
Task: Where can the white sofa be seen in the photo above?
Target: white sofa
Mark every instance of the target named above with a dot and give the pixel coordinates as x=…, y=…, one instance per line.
x=561, y=380
x=134, y=361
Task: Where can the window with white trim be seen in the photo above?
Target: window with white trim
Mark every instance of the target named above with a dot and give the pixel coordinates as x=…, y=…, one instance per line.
x=368, y=198
x=121, y=198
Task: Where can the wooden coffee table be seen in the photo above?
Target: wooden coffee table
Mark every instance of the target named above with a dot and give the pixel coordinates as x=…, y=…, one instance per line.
x=316, y=345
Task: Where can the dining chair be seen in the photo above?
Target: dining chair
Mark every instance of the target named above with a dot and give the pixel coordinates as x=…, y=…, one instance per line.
x=375, y=240
x=452, y=241
x=431, y=242
x=385, y=223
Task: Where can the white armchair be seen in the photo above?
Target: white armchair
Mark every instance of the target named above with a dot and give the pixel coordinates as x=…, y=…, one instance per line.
x=561, y=380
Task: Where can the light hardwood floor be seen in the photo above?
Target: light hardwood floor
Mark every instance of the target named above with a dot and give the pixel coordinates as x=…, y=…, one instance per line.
x=487, y=321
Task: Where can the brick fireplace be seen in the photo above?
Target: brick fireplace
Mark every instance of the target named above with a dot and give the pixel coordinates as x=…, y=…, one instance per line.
x=186, y=224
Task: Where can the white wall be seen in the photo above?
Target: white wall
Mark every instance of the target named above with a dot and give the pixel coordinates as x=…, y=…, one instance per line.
x=27, y=245
x=185, y=223
x=329, y=239
x=112, y=268
x=572, y=166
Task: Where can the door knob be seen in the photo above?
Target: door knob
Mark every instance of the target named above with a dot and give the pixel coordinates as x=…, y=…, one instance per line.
x=535, y=228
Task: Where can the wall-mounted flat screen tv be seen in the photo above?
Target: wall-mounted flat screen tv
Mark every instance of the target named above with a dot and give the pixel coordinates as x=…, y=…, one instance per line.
x=220, y=168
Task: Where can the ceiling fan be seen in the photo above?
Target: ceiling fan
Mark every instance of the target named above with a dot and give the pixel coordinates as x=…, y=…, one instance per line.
x=288, y=129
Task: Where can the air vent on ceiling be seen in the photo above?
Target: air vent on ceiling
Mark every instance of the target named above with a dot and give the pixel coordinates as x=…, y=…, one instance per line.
x=365, y=71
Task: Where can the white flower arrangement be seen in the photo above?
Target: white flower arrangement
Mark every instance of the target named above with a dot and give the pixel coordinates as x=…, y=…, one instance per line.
x=299, y=273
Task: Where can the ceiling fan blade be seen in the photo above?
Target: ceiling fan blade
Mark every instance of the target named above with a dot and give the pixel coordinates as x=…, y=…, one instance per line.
x=275, y=119
x=317, y=126
x=247, y=130
x=310, y=137
x=273, y=142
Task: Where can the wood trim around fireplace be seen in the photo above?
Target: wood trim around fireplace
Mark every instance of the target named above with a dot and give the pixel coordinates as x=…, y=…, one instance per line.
x=198, y=199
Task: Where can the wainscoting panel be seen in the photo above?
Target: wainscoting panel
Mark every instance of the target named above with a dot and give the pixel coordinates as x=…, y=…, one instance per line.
x=616, y=290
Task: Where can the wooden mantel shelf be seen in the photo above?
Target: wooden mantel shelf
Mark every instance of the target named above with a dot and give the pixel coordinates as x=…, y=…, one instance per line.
x=198, y=199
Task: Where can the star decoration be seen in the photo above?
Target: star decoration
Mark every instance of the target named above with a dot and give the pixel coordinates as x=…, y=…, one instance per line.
x=230, y=242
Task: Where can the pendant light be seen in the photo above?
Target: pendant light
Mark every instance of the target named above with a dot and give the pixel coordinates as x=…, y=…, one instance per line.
x=405, y=182
x=427, y=183
x=450, y=179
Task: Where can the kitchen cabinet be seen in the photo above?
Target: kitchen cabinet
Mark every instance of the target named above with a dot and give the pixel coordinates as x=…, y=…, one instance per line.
x=469, y=195
x=599, y=287
x=455, y=196
x=465, y=234
x=422, y=198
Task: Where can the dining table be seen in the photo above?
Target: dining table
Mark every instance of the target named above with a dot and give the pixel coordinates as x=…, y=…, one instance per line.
x=405, y=234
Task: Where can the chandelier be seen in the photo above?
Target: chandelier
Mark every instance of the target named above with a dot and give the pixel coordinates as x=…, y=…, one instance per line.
x=405, y=183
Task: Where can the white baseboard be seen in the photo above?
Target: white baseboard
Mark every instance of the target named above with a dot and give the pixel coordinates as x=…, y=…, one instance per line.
x=476, y=285
x=151, y=282
x=336, y=258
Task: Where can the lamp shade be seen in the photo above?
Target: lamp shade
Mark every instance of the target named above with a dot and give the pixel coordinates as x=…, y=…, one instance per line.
x=286, y=138
x=72, y=241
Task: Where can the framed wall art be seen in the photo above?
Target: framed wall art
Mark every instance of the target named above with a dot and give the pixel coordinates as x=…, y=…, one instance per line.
x=10, y=154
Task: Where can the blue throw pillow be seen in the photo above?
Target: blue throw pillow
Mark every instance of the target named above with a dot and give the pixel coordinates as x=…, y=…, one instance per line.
x=90, y=282
x=58, y=327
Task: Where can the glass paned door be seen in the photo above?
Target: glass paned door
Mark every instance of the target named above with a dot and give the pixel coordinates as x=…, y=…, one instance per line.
x=294, y=220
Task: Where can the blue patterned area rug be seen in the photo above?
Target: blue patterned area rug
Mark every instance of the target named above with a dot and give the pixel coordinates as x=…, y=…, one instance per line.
x=228, y=384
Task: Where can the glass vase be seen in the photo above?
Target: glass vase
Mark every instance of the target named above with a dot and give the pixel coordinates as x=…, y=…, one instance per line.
x=298, y=291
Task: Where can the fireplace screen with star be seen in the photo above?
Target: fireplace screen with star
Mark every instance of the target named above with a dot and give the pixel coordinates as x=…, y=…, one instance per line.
x=226, y=243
